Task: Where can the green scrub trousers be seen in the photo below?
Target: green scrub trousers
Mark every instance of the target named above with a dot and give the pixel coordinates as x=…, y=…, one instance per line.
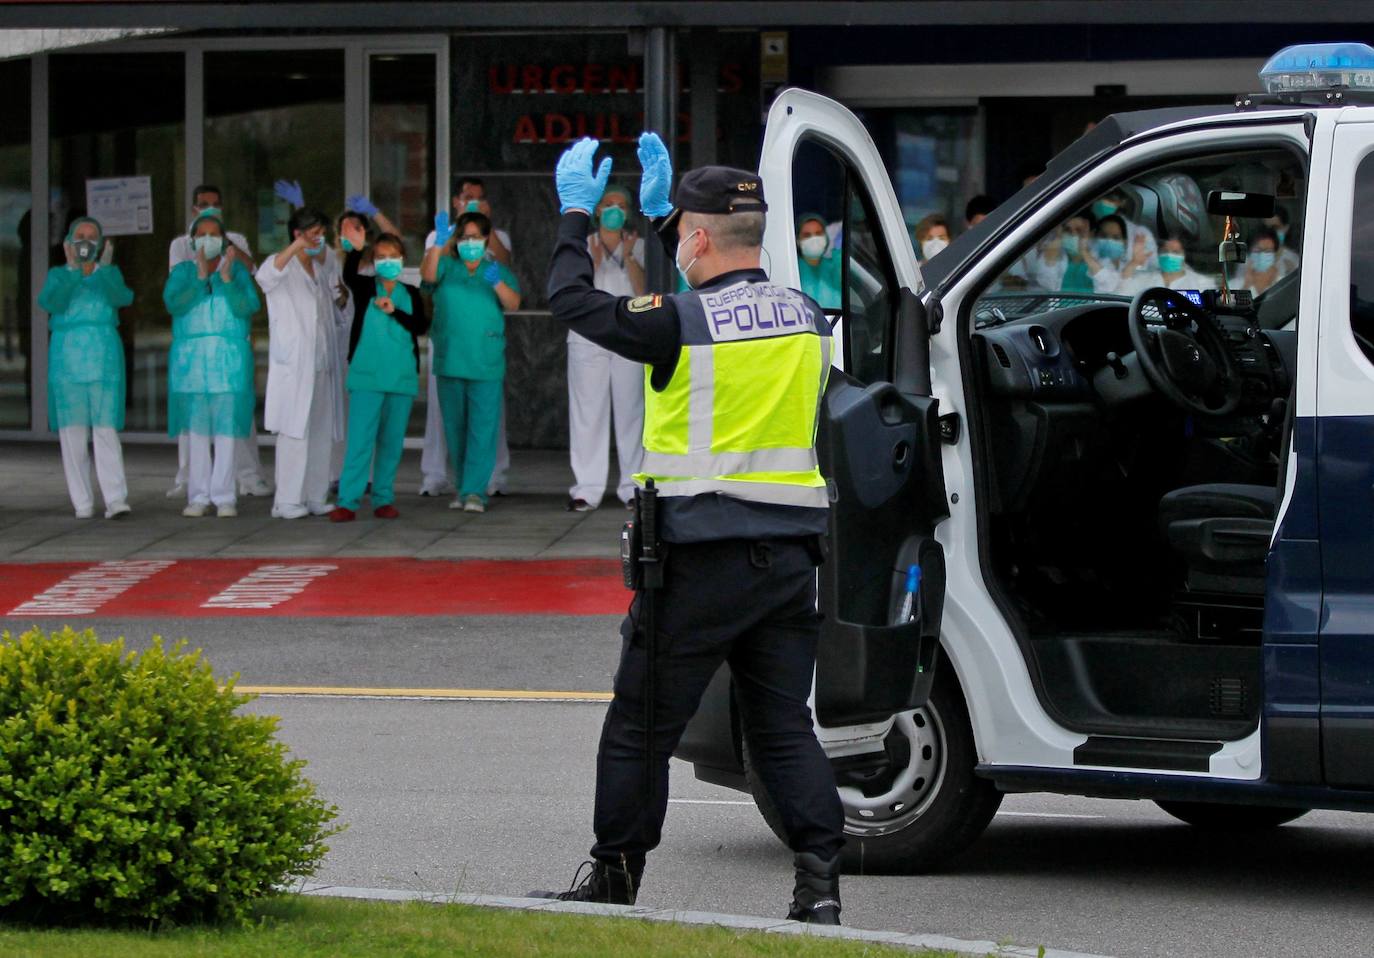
x=472, y=416
x=376, y=420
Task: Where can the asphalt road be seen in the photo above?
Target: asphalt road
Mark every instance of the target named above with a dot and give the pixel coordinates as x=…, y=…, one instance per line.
x=495, y=797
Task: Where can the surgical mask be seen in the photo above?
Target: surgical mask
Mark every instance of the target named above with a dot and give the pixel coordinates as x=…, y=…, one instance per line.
x=684, y=270
x=472, y=250
x=1070, y=243
x=210, y=245
x=612, y=218
x=86, y=250
x=932, y=246
x=1262, y=261
x=1103, y=208
x=473, y=206
x=1171, y=262
x=813, y=247
x=348, y=246
x=317, y=249
x=1110, y=248
x=389, y=268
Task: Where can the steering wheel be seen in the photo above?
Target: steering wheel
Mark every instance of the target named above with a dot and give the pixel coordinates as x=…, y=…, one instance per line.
x=1183, y=354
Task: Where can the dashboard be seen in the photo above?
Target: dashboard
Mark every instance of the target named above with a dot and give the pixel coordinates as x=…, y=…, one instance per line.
x=1084, y=353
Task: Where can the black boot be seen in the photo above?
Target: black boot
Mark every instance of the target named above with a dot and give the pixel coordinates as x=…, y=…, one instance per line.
x=816, y=898
x=609, y=884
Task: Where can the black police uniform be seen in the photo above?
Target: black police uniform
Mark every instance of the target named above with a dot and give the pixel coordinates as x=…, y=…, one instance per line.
x=739, y=587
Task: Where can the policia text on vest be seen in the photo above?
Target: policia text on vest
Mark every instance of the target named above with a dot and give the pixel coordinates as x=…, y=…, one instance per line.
x=736, y=370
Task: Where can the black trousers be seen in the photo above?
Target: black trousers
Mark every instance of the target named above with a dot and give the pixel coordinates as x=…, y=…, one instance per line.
x=752, y=604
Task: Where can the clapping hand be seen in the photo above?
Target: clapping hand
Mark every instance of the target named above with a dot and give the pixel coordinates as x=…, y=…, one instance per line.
x=658, y=176
x=290, y=190
x=359, y=203
x=443, y=229
x=1139, y=254
x=578, y=187
x=385, y=304
x=226, y=262
x=492, y=274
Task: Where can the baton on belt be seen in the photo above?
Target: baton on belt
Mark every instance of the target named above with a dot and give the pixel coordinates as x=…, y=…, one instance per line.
x=650, y=581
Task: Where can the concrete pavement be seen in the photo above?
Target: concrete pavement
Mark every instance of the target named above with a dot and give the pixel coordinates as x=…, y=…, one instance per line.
x=37, y=524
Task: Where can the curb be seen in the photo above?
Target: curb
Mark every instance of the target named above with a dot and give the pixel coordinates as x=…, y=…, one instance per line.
x=779, y=926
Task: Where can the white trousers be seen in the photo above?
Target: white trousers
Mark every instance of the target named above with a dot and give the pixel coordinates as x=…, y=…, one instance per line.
x=434, y=465
x=247, y=461
x=76, y=463
x=210, y=478
x=303, y=464
x=600, y=384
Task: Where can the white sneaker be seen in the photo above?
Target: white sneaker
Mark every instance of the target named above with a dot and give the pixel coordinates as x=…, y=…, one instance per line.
x=227, y=512
x=257, y=486
x=195, y=510
x=457, y=503
x=320, y=508
x=85, y=513
x=474, y=503
x=116, y=509
x=177, y=491
x=289, y=512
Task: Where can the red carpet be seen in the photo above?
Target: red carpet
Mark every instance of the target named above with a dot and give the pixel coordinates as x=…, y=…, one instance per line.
x=315, y=587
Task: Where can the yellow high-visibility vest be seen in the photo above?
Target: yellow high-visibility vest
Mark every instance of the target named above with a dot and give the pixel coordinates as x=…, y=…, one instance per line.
x=738, y=416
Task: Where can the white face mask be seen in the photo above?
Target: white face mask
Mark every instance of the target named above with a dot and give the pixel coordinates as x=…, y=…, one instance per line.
x=813, y=247
x=677, y=253
x=209, y=244
x=932, y=246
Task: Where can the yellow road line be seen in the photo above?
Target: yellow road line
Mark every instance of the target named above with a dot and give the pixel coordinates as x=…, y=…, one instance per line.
x=496, y=695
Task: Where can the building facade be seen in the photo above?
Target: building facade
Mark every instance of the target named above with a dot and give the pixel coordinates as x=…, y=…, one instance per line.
x=395, y=100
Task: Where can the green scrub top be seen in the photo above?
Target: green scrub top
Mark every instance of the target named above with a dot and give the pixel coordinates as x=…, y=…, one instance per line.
x=86, y=383
x=469, y=330
x=384, y=360
x=1076, y=278
x=822, y=282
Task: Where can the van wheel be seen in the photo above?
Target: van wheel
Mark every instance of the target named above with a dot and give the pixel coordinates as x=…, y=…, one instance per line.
x=923, y=805
x=1231, y=818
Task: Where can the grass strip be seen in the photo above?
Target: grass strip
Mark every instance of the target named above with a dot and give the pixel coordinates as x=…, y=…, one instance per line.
x=295, y=927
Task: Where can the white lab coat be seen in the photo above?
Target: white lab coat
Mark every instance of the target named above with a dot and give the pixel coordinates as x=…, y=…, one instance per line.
x=303, y=337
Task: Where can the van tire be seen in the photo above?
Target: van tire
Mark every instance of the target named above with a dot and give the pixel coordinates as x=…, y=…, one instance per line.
x=1217, y=817
x=949, y=819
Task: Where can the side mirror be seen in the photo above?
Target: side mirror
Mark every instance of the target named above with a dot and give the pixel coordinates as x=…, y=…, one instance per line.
x=1235, y=203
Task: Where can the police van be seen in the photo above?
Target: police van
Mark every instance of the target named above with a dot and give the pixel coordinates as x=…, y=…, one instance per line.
x=1103, y=520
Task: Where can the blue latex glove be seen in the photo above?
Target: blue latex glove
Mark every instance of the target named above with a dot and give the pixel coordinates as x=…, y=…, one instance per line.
x=492, y=273
x=290, y=190
x=359, y=203
x=658, y=176
x=578, y=187
x=443, y=229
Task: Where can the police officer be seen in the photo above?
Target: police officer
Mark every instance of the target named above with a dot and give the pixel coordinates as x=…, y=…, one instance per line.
x=735, y=371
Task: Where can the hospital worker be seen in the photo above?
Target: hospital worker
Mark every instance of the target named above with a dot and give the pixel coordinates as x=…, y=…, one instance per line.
x=86, y=368
x=472, y=292
x=383, y=372
x=304, y=404
x=818, y=264
x=210, y=396
x=600, y=383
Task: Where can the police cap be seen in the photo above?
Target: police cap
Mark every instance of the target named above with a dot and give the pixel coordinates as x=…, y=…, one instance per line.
x=717, y=189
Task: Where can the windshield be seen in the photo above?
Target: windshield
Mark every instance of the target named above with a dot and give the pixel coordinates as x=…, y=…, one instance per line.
x=1153, y=230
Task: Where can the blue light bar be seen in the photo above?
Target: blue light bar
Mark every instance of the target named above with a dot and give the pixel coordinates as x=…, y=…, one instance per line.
x=1320, y=66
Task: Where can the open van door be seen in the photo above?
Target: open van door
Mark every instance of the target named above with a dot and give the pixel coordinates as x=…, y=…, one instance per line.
x=878, y=434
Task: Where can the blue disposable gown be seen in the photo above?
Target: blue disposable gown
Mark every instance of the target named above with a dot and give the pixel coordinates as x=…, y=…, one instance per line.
x=86, y=379
x=210, y=370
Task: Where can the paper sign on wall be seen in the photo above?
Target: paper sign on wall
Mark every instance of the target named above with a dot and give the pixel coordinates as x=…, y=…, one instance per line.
x=122, y=205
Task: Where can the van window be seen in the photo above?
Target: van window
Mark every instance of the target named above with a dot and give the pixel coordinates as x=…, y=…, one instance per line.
x=1362, y=259
x=1153, y=229
x=853, y=279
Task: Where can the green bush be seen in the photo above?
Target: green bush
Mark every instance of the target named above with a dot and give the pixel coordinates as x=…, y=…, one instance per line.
x=131, y=791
